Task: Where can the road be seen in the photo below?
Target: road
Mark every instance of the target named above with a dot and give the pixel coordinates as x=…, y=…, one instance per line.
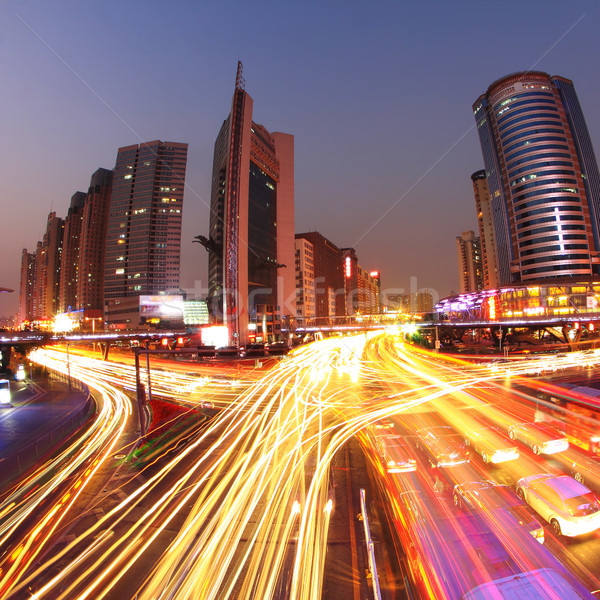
x=240, y=505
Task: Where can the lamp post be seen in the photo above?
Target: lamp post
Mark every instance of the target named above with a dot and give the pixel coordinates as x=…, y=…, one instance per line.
x=68, y=366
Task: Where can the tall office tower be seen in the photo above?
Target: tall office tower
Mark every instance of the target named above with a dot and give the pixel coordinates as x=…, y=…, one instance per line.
x=469, y=262
x=27, y=287
x=305, y=281
x=143, y=239
x=487, y=237
x=69, y=267
x=330, y=296
x=251, y=239
x=543, y=177
x=92, y=247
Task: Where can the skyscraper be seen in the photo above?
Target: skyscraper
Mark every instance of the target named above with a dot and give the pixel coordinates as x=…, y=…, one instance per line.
x=470, y=268
x=92, y=248
x=487, y=236
x=542, y=176
x=69, y=267
x=251, y=238
x=27, y=286
x=48, y=260
x=143, y=239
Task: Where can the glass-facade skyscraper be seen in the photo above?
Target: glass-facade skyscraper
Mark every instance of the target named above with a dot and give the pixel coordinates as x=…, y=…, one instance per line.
x=251, y=239
x=542, y=177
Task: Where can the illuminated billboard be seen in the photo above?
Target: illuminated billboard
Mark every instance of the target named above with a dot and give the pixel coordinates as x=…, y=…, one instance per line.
x=163, y=307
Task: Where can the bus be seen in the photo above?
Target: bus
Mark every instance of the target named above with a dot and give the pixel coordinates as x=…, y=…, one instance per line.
x=573, y=409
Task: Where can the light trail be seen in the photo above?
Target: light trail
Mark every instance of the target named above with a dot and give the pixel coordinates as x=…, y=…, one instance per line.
x=47, y=495
x=249, y=495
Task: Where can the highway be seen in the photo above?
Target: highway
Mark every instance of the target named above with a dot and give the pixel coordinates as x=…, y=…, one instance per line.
x=240, y=505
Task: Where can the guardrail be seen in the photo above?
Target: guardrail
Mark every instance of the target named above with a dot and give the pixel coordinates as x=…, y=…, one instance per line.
x=16, y=464
x=370, y=546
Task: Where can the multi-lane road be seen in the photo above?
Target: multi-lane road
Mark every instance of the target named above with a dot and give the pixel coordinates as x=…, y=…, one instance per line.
x=240, y=502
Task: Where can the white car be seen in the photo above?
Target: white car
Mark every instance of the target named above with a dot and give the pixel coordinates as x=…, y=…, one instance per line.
x=540, y=437
x=571, y=508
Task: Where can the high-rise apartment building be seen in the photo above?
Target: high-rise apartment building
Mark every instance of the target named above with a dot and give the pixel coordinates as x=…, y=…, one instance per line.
x=487, y=237
x=69, y=267
x=542, y=176
x=27, y=287
x=305, y=281
x=470, y=266
x=47, y=276
x=143, y=239
x=251, y=238
x=92, y=247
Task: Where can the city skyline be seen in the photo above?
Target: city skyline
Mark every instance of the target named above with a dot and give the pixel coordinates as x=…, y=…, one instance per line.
x=395, y=135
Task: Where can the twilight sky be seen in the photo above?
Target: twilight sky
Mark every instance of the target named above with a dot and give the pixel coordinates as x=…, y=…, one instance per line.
x=377, y=94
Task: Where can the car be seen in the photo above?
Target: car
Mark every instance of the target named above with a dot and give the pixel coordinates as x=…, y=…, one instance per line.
x=395, y=453
x=498, y=501
x=442, y=446
x=535, y=584
x=570, y=507
x=540, y=437
x=586, y=470
x=491, y=444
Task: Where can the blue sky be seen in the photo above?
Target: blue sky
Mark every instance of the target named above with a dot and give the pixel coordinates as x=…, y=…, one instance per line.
x=377, y=94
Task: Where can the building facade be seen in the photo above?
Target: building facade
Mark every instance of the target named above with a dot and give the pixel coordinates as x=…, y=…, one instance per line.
x=485, y=222
x=542, y=176
x=69, y=268
x=143, y=238
x=27, y=287
x=470, y=267
x=251, y=238
x=328, y=282
x=92, y=247
x=48, y=257
x=305, y=282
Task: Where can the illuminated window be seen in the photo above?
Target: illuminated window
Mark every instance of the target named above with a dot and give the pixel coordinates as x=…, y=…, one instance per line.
x=128, y=176
x=119, y=271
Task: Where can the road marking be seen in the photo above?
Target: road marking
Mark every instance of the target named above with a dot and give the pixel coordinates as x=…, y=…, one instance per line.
x=351, y=516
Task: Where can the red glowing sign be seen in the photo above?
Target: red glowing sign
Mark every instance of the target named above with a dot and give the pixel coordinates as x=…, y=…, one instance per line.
x=348, y=266
x=374, y=274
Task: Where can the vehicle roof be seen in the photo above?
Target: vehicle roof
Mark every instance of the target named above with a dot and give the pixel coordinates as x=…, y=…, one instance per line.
x=541, y=583
x=566, y=486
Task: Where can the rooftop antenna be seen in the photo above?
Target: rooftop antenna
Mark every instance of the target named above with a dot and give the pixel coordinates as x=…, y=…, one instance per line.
x=240, y=82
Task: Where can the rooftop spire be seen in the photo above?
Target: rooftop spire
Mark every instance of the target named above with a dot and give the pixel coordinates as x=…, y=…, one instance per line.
x=240, y=82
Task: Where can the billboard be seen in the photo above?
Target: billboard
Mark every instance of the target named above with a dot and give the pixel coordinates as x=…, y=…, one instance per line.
x=162, y=307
